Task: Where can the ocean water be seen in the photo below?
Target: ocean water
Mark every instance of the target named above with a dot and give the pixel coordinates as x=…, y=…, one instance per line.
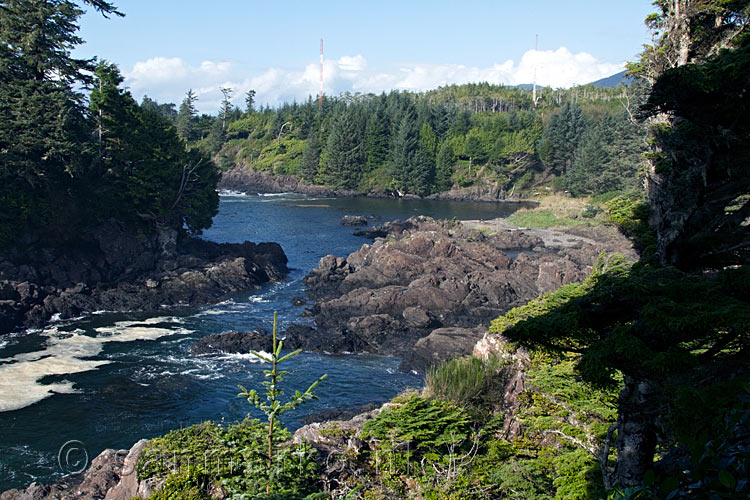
x=109, y=379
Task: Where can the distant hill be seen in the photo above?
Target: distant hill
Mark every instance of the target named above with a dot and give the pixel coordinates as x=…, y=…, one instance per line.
x=613, y=81
x=609, y=82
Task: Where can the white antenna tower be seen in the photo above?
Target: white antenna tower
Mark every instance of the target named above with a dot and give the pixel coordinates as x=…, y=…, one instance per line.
x=536, y=50
x=320, y=94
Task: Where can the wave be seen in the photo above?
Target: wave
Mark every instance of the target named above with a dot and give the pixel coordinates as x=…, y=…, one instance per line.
x=66, y=353
x=236, y=194
x=233, y=356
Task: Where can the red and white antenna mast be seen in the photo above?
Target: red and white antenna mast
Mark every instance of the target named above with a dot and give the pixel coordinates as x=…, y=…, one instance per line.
x=320, y=94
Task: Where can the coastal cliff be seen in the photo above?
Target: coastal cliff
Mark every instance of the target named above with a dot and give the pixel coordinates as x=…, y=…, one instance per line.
x=113, y=269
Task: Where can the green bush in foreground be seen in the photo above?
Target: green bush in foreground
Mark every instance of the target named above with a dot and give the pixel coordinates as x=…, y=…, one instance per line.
x=207, y=457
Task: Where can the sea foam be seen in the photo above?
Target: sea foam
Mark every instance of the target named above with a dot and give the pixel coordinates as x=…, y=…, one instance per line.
x=68, y=353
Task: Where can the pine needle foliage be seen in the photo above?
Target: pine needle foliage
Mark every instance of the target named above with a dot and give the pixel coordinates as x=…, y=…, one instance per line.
x=272, y=407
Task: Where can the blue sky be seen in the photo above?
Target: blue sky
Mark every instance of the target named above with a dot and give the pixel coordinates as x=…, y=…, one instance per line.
x=164, y=47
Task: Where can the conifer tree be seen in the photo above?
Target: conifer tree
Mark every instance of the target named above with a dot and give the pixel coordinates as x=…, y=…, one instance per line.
x=310, y=160
x=428, y=141
x=226, y=106
x=186, y=117
x=216, y=135
x=675, y=325
x=560, y=139
x=343, y=167
x=405, y=145
x=444, y=168
x=377, y=139
x=273, y=408
x=147, y=177
x=250, y=101
x=44, y=135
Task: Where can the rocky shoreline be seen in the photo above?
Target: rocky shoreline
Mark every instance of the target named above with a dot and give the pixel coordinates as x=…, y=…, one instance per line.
x=336, y=435
x=425, y=290
x=114, y=270
x=246, y=180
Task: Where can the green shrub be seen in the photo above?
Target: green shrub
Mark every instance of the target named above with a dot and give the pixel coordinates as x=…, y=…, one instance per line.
x=184, y=485
x=202, y=456
x=421, y=439
x=631, y=214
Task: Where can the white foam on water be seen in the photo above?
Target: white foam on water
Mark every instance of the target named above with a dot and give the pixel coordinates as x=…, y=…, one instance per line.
x=213, y=312
x=67, y=353
x=274, y=194
x=229, y=192
x=243, y=357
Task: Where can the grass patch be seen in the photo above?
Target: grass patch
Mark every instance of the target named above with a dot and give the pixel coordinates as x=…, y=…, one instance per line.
x=557, y=210
x=546, y=218
x=461, y=381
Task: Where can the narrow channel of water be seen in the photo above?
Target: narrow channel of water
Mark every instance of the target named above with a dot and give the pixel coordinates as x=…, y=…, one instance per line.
x=110, y=379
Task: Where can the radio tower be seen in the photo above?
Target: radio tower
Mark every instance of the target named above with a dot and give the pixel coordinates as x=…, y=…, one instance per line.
x=320, y=94
x=536, y=50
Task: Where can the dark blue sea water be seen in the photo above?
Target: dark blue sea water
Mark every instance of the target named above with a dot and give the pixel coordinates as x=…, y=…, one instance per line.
x=109, y=379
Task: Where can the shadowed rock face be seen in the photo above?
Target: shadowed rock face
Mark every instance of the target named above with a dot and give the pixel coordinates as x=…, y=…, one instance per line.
x=115, y=270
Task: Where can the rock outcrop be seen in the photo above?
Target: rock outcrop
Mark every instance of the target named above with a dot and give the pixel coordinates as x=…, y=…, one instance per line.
x=423, y=274
x=513, y=377
x=247, y=180
x=484, y=191
x=114, y=270
x=426, y=290
x=111, y=476
x=354, y=220
x=441, y=345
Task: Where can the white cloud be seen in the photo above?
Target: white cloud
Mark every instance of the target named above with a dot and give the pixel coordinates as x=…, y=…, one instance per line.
x=167, y=79
x=349, y=63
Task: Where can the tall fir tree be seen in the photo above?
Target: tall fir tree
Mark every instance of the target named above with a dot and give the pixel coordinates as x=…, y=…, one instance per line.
x=250, y=101
x=405, y=145
x=148, y=178
x=560, y=139
x=226, y=106
x=343, y=166
x=377, y=139
x=444, y=168
x=672, y=331
x=186, y=117
x=44, y=134
x=310, y=160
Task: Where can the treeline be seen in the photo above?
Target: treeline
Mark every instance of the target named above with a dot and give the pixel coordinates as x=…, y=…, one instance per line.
x=425, y=143
x=69, y=160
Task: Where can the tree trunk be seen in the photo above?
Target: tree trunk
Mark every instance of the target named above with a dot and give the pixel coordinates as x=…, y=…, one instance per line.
x=636, y=437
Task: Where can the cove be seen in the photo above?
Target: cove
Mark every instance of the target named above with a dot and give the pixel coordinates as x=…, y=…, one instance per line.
x=110, y=379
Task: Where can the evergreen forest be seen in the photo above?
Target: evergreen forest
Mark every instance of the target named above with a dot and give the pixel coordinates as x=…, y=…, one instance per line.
x=584, y=140
x=638, y=380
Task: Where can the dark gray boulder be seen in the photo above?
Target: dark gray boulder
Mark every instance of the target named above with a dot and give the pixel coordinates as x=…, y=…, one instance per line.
x=353, y=220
